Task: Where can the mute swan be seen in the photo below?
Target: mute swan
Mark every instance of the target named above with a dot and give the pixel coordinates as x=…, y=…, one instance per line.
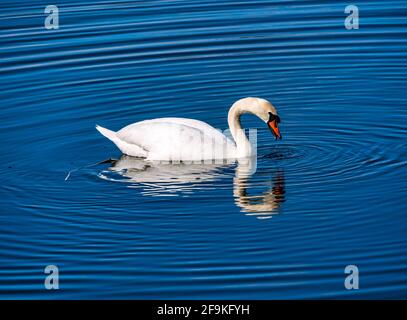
x=188, y=139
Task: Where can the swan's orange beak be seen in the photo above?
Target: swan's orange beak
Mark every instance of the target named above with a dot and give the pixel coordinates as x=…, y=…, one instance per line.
x=274, y=129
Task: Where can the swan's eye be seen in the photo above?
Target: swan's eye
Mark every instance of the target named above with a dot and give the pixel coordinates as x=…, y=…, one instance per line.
x=274, y=117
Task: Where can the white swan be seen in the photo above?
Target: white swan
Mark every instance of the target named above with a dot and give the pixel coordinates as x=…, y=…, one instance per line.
x=183, y=139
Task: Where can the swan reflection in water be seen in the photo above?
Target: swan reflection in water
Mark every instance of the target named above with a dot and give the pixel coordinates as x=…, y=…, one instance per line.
x=174, y=179
x=263, y=205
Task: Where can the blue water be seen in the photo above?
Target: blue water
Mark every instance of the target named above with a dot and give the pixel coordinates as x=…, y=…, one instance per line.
x=332, y=193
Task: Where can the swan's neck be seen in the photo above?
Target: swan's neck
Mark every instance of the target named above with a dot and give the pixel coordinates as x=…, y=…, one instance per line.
x=244, y=148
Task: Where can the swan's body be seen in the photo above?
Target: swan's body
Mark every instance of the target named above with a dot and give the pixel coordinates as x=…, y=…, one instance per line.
x=189, y=139
x=169, y=139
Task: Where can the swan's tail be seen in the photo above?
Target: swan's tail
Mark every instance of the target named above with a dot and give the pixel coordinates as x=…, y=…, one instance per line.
x=111, y=135
x=126, y=148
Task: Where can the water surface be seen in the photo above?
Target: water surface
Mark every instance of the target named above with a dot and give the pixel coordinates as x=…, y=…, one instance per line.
x=330, y=194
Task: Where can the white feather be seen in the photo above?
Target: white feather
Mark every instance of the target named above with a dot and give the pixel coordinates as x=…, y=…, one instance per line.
x=188, y=139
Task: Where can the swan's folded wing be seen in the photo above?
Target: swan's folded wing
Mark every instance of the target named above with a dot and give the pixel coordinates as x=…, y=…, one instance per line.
x=175, y=139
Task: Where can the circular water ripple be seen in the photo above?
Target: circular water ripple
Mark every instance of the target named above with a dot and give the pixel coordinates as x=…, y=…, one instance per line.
x=306, y=164
x=336, y=159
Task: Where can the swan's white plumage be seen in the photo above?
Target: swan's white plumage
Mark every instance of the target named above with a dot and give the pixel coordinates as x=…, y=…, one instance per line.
x=186, y=139
x=126, y=148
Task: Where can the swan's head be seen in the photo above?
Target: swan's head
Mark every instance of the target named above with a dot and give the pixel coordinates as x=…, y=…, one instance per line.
x=259, y=107
x=268, y=113
x=272, y=123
